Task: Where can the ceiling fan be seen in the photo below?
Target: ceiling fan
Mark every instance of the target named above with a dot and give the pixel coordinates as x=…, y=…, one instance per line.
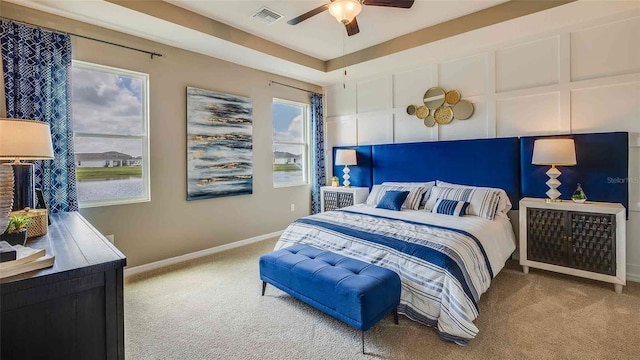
x=345, y=11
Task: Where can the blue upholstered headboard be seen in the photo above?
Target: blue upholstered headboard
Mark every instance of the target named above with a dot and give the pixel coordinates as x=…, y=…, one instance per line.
x=602, y=168
x=483, y=162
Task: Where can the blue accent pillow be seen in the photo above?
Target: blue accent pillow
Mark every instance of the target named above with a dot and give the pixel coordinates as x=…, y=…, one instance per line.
x=450, y=207
x=393, y=200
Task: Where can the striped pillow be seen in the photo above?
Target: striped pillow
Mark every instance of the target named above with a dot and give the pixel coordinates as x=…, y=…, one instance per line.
x=428, y=185
x=482, y=202
x=413, y=199
x=450, y=207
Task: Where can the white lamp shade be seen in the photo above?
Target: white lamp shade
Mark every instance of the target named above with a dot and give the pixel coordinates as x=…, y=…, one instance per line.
x=561, y=152
x=345, y=10
x=346, y=157
x=25, y=140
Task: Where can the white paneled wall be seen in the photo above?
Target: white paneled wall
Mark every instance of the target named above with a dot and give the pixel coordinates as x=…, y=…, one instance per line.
x=582, y=79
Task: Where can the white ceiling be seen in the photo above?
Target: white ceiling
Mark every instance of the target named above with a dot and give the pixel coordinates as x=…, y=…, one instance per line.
x=322, y=36
x=308, y=36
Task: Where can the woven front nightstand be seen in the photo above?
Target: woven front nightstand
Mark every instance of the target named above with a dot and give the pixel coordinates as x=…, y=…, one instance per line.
x=586, y=240
x=332, y=198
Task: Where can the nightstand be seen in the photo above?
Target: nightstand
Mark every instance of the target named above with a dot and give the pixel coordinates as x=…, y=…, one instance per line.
x=586, y=240
x=332, y=198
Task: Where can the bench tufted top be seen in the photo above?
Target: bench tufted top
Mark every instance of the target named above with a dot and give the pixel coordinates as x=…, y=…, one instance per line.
x=351, y=290
x=349, y=275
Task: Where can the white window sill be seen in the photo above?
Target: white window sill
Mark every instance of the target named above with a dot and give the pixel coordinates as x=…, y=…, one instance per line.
x=286, y=185
x=101, y=203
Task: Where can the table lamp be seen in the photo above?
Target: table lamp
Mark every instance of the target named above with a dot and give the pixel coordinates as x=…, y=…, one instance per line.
x=554, y=152
x=24, y=140
x=346, y=157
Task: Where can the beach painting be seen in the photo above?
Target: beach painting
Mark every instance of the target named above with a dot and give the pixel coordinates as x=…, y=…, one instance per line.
x=219, y=144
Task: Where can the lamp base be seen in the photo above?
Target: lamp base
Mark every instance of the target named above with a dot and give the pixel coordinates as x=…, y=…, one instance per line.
x=346, y=176
x=553, y=183
x=23, y=193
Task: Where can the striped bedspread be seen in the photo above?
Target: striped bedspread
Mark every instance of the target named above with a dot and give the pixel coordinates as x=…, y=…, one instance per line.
x=443, y=270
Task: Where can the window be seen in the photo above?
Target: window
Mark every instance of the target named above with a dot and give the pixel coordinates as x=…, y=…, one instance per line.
x=290, y=143
x=111, y=134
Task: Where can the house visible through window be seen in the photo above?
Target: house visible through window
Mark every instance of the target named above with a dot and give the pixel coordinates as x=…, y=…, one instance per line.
x=290, y=143
x=111, y=134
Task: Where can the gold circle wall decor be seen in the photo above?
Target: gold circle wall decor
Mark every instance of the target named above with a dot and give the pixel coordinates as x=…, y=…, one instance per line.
x=463, y=110
x=443, y=115
x=422, y=112
x=441, y=107
x=434, y=97
x=429, y=121
x=452, y=97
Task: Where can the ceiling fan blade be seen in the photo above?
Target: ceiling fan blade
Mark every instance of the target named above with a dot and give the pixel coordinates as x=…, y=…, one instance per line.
x=404, y=4
x=308, y=14
x=352, y=27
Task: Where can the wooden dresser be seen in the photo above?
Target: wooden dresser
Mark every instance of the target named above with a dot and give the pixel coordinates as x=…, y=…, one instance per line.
x=73, y=310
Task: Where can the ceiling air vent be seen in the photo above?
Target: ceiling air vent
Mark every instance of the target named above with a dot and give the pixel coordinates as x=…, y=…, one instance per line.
x=266, y=15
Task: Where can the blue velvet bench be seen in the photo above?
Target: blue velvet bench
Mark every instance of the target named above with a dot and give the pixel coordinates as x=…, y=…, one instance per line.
x=350, y=290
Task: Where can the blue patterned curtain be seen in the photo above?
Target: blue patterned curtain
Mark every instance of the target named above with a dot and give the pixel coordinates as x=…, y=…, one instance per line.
x=36, y=65
x=318, y=177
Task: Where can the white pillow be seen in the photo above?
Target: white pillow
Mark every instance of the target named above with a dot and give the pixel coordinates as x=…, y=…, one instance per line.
x=504, y=205
x=428, y=185
x=416, y=193
x=482, y=202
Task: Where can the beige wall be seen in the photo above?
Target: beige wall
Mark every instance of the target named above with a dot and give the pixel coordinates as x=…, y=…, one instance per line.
x=169, y=225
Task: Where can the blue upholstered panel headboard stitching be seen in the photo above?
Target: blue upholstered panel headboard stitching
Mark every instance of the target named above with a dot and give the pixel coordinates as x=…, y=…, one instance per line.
x=602, y=168
x=482, y=162
x=361, y=174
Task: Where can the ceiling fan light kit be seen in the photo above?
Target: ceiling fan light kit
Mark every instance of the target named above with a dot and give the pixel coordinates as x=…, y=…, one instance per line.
x=345, y=10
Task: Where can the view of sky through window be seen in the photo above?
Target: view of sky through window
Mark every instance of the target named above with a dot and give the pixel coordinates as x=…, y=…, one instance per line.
x=289, y=148
x=109, y=133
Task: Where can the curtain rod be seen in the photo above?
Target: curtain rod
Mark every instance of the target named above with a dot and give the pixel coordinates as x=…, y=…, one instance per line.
x=82, y=36
x=293, y=87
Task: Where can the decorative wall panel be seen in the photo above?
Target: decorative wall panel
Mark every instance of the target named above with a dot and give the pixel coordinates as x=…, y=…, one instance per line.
x=374, y=95
x=341, y=101
x=606, y=108
x=474, y=128
x=375, y=128
x=606, y=50
x=409, y=86
x=528, y=65
x=528, y=115
x=341, y=132
x=407, y=128
x=467, y=75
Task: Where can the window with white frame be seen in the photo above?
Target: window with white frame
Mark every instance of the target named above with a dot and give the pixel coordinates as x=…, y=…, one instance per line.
x=290, y=143
x=111, y=134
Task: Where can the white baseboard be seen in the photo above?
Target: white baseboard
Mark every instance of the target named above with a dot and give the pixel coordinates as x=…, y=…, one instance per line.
x=633, y=273
x=198, y=254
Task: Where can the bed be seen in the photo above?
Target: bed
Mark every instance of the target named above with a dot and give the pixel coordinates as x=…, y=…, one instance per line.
x=445, y=263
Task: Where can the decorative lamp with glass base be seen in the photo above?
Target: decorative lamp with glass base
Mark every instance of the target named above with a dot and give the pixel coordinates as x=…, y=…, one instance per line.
x=24, y=140
x=346, y=157
x=554, y=152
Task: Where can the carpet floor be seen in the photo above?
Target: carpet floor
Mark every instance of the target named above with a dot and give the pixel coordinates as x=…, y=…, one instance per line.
x=211, y=308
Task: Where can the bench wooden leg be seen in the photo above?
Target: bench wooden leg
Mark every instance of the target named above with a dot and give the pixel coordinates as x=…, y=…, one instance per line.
x=264, y=286
x=362, y=332
x=395, y=316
